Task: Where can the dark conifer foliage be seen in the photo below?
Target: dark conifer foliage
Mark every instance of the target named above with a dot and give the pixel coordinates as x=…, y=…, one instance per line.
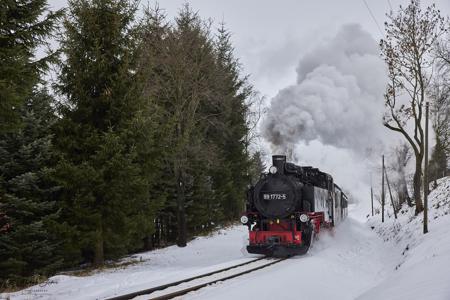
x=27, y=207
x=25, y=25
x=105, y=134
x=194, y=81
x=28, y=242
x=234, y=94
x=148, y=146
x=257, y=166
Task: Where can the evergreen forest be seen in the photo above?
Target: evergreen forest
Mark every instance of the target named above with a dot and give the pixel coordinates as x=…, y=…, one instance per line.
x=120, y=131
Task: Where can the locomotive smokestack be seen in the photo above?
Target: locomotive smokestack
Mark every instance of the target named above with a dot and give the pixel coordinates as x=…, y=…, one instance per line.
x=278, y=161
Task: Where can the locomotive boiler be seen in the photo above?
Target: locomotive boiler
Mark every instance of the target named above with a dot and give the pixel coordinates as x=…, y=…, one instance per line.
x=288, y=206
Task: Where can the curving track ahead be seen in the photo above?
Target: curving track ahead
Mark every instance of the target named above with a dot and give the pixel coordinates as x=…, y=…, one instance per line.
x=179, y=288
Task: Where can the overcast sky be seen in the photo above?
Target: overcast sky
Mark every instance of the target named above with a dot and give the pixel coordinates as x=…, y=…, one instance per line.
x=271, y=36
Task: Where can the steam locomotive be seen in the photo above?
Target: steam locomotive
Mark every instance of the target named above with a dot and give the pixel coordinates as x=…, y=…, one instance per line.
x=288, y=206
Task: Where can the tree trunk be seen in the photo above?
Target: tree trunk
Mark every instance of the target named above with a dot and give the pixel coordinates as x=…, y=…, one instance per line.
x=406, y=195
x=417, y=185
x=403, y=194
x=148, y=243
x=99, y=255
x=170, y=230
x=181, y=210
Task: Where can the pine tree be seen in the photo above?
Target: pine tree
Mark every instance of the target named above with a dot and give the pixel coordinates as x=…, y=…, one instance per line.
x=29, y=245
x=24, y=27
x=106, y=137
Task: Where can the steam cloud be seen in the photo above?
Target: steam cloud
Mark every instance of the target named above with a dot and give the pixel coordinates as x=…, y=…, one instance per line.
x=337, y=99
x=332, y=116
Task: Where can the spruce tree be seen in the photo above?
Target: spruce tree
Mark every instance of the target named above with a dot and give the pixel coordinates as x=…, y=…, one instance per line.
x=26, y=206
x=195, y=85
x=193, y=55
x=182, y=65
x=24, y=27
x=28, y=244
x=105, y=134
x=234, y=93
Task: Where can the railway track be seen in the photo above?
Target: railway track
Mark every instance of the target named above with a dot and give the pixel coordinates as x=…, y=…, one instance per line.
x=184, y=286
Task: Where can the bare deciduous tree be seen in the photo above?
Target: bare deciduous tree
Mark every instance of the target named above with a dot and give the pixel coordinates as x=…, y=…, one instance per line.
x=410, y=36
x=443, y=50
x=440, y=94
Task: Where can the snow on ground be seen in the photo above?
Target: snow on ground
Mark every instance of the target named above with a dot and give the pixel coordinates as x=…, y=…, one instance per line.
x=360, y=259
x=423, y=272
x=341, y=265
x=161, y=266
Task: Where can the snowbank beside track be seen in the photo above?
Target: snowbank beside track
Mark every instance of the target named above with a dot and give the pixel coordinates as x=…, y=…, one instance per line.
x=204, y=254
x=423, y=270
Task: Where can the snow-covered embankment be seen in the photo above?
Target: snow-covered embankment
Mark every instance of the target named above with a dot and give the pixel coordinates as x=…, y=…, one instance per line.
x=423, y=271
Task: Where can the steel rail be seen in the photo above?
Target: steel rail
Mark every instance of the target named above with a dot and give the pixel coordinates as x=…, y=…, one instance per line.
x=164, y=286
x=197, y=287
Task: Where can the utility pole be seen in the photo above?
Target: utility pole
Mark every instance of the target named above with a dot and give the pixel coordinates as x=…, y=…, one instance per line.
x=390, y=194
x=425, y=176
x=371, y=198
x=382, y=190
x=371, y=192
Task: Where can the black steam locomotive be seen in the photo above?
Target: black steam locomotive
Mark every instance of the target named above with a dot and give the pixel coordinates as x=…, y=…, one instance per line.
x=288, y=205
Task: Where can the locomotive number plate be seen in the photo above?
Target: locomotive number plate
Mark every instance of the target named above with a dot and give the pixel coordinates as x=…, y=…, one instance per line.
x=272, y=196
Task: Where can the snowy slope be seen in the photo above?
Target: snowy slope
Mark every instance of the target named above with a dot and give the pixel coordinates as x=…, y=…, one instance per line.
x=423, y=272
x=394, y=260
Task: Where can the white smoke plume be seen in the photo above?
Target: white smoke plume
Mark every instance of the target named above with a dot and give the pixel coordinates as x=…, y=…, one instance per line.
x=338, y=98
x=332, y=117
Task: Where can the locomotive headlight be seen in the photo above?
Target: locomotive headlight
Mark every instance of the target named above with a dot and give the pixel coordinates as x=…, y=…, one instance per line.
x=273, y=170
x=244, y=219
x=304, y=218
